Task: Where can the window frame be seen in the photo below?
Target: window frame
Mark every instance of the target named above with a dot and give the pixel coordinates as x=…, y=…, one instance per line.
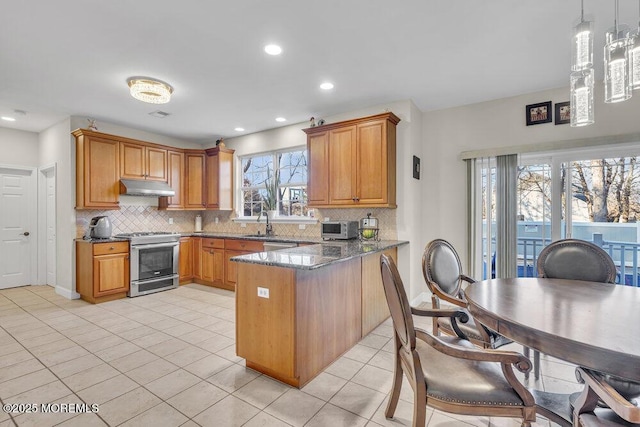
x=239, y=205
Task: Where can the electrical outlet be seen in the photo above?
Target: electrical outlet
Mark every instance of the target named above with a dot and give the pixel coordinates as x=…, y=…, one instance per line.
x=243, y=225
x=302, y=226
x=326, y=218
x=170, y=220
x=263, y=292
x=216, y=220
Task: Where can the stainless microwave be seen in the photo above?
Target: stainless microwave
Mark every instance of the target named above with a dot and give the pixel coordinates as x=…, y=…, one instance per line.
x=339, y=230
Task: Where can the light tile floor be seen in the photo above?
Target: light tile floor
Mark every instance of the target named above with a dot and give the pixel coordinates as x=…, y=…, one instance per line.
x=168, y=359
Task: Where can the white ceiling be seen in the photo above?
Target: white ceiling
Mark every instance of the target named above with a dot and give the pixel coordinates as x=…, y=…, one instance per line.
x=73, y=57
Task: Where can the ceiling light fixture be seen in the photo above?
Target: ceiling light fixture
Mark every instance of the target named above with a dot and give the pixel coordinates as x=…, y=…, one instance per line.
x=634, y=55
x=239, y=129
x=280, y=119
x=616, y=62
x=273, y=49
x=326, y=86
x=581, y=79
x=150, y=90
x=8, y=119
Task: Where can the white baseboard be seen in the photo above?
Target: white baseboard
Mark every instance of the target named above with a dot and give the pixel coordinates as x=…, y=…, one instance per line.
x=69, y=294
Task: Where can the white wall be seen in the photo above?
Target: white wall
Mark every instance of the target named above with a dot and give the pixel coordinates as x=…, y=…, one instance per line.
x=499, y=123
x=19, y=148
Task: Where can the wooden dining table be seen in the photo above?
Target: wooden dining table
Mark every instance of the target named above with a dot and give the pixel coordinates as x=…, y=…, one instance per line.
x=589, y=324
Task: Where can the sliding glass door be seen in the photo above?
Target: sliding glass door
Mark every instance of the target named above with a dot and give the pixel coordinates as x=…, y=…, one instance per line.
x=588, y=194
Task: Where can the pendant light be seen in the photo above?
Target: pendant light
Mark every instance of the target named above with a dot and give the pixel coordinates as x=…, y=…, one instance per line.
x=582, y=43
x=581, y=80
x=616, y=60
x=634, y=55
x=581, y=100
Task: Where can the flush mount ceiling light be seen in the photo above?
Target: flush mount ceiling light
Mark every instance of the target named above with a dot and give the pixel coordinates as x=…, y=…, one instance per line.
x=280, y=119
x=326, y=86
x=273, y=49
x=239, y=129
x=150, y=90
x=8, y=119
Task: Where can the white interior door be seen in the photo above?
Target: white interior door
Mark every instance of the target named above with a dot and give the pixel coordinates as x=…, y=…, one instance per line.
x=17, y=226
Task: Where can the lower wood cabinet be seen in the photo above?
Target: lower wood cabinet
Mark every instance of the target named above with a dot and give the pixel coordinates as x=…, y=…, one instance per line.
x=212, y=259
x=185, y=260
x=102, y=270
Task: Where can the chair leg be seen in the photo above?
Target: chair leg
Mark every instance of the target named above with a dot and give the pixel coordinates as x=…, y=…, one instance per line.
x=420, y=405
x=525, y=352
x=536, y=364
x=395, y=390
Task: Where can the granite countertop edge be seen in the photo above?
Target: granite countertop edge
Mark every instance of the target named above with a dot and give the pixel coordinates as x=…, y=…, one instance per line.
x=312, y=257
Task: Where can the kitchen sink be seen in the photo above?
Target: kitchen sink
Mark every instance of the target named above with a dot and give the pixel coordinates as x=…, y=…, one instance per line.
x=257, y=235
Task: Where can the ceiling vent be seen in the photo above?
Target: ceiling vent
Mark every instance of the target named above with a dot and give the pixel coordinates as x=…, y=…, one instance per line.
x=159, y=114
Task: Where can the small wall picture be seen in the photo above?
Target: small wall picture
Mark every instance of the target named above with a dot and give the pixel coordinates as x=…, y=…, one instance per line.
x=538, y=113
x=563, y=113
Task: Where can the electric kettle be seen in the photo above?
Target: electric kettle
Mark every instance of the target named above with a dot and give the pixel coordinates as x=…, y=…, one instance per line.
x=100, y=227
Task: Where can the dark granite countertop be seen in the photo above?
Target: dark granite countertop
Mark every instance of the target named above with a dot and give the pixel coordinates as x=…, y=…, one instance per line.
x=109, y=240
x=261, y=238
x=318, y=255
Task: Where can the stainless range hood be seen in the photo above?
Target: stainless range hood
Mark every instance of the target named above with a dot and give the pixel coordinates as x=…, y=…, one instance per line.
x=135, y=187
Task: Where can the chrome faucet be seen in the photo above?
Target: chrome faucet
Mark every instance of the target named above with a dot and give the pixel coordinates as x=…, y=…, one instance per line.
x=268, y=231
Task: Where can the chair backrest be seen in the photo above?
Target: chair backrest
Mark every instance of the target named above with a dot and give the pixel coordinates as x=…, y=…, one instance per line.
x=398, y=303
x=576, y=260
x=441, y=264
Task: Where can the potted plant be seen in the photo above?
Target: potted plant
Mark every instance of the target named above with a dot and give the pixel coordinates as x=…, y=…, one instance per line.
x=271, y=199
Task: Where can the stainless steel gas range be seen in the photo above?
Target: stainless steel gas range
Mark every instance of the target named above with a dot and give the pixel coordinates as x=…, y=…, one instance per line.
x=154, y=261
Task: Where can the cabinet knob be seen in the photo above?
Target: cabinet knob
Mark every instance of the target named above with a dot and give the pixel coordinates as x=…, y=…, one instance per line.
x=111, y=248
x=357, y=199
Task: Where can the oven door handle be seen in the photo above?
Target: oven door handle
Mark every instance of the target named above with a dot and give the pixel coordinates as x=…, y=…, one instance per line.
x=159, y=279
x=155, y=245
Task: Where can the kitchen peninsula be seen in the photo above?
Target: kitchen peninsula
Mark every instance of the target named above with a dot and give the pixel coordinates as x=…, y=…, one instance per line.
x=298, y=309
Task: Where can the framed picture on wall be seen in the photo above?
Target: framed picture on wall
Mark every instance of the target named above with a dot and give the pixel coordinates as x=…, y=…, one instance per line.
x=538, y=113
x=563, y=113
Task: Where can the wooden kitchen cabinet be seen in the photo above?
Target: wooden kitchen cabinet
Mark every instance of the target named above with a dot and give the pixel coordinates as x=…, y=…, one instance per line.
x=195, y=179
x=141, y=161
x=175, y=178
x=219, y=178
x=213, y=262
x=237, y=247
x=185, y=260
x=375, y=309
x=196, y=243
x=360, y=165
x=102, y=270
x=97, y=170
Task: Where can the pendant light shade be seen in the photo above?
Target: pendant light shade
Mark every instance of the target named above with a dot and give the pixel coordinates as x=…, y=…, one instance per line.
x=582, y=84
x=616, y=66
x=634, y=55
x=582, y=44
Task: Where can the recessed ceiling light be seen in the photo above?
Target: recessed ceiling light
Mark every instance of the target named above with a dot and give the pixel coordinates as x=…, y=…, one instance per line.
x=8, y=119
x=273, y=49
x=239, y=129
x=326, y=86
x=280, y=119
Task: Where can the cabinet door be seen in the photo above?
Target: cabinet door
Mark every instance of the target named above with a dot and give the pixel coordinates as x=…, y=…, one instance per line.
x=231, y=269
x=110, y=274
x=156, y=164
x=132, y=160
x=175, y=179
x=185, y=266
x=371, y=163
x=195, y=183
x=342, y=173
x=197, y=257
x=318, y=169
x=101, y=173
x=213, y=266
x=213, y=180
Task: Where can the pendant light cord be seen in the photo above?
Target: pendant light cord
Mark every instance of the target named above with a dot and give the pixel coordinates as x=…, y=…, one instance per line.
x=615, y=21
x=582, y=10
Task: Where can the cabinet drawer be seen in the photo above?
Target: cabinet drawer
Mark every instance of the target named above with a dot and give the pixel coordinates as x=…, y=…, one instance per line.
x=244, y=245
x=212, y=243
x=110, y=248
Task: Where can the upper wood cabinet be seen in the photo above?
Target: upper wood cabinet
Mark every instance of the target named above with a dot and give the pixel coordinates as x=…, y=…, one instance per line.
x=353, y=163
x=97, y=170
x=195, y=180
x=140, y=161
x=219, y=178
x=175, y=178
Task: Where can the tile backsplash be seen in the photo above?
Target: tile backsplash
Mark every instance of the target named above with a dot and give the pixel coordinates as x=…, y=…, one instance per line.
x=131, y=218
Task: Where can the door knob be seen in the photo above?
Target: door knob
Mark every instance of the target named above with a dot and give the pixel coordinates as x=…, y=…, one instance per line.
x=26, y=233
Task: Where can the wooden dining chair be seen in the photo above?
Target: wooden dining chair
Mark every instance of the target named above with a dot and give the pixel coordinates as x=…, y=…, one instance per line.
x=450, y=373
x=598, y=389
x=442, y=271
